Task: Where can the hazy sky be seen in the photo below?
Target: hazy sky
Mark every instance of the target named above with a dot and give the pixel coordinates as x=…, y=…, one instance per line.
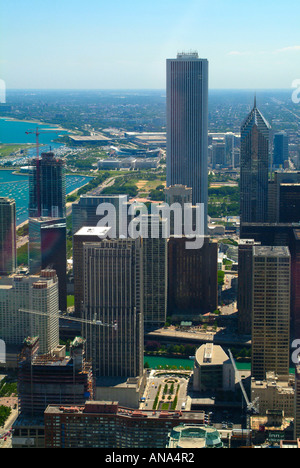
x=124, y=43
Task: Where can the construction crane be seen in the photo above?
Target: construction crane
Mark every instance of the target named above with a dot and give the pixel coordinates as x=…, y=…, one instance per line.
x=75, y=319
x=251, y=407
x=37, y=133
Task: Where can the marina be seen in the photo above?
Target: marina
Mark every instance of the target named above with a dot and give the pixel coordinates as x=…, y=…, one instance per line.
x=16, y=186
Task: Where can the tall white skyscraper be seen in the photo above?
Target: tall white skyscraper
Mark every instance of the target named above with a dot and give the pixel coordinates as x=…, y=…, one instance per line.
x=187, y=125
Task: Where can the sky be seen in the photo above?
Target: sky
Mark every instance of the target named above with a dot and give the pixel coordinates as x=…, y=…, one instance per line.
x=124, y=44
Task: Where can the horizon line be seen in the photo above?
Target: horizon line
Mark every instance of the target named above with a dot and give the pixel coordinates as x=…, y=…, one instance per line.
x=142, y=89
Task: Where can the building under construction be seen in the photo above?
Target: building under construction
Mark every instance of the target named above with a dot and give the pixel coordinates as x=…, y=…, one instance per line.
x=54, y=378
x=47, y=186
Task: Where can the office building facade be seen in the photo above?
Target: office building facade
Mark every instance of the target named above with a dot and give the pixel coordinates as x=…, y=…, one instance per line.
x=271, y=288
x=48, y=249
x=255, y=148
x=106, y=424
x=8, y=244
x=29, y=307
x=192, y=278
x=244, y=298
x=113, y=294
x=187, y=125
x=280, y=149
x=85, y=213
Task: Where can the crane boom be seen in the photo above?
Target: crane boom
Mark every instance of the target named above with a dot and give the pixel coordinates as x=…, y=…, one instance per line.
x=252, y=407
x=239, y=379
x=74, y=319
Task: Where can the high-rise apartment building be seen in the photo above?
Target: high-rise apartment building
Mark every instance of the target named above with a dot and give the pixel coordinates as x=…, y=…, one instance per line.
x=85, y=234
x=255, y=148
x=113, y=294
x=155, y=270
x=8, y=249
x=187, y=125
x=47, y=187
x=271, y=287
x=29, y=307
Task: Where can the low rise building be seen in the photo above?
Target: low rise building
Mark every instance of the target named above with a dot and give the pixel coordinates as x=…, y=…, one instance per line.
x=274, y=393
x=106, y=424
x=194, y=437
x=213, y=369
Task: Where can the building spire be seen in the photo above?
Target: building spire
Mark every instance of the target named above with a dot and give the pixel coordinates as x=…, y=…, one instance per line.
x=255, y=100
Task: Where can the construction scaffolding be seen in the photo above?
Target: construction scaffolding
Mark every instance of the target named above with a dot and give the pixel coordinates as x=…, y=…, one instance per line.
x=53, y=378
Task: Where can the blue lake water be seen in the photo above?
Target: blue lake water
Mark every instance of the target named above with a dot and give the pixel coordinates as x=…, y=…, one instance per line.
x=17, y=186
x=14, y=131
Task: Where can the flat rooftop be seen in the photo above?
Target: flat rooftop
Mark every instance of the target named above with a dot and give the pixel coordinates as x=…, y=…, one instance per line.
x=89, y=138
x=125, y=412
x=100, y=231
x=209, y=354
x=271, y=251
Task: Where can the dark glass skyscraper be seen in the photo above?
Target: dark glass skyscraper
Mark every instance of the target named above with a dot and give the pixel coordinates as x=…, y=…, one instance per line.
x=281, y=149
x=47, y=187
x=255, y=141
x=187, y=125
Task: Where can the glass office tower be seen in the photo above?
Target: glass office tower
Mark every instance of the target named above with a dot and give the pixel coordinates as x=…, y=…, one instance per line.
x=255, y=141
x=187, y=125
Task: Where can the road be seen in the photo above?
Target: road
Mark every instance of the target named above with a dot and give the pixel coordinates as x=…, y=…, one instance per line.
x=9, y=401
x=96, y=191
x=221, y=337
